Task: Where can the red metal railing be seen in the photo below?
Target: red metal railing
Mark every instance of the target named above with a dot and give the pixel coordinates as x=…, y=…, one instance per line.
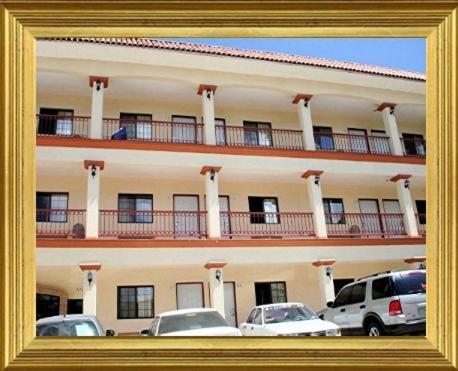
x=239, y=136
x=252, y=224
x=421, y=224
x=154, y=131
x=60, y=223
x=352, y=143
x=359, y=225
x=62, y=126
x=152, y=224
x=413, y=147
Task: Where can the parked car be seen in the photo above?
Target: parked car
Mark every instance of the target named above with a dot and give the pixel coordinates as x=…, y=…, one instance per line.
x=71, y=325
x=286, y=319
x=190, y=322
x=388, y=303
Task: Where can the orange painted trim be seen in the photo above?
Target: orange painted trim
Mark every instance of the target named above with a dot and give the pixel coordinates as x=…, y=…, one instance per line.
x=206, y=169
x=90, y=266
x=210, y=265
x=416, y=259
x=102, y=79
x=203, y=87
x=385, y=105
x=298, y=97
x=213, y=149
x=399, y=177
x=312, y=242
x=90, y=163
x=309, y=173
x=321, y=262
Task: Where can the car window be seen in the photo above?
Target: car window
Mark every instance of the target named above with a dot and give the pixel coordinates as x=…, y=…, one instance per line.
x=413, y=282
x=251, y=316
x=287, y=313
x=343, y=297
x=191, y=321
x=358, y=293
x=381, y=288
x=258, y=317
x=68, y=328
x=153, y=329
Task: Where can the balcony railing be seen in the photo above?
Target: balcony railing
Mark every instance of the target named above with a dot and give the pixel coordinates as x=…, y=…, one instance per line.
x=152, y=131
x=61, y=223
x=365, y=225
x=152, y=224
x=352, y=143
x=413, y=147
x=62, y=126
x=421, y=224
x=239, y=136
x=266, y=225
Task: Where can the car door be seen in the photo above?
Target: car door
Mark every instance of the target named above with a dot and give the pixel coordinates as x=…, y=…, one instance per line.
x=338, y=313
x=355, y=311
x=257, y=325
x=246, y=327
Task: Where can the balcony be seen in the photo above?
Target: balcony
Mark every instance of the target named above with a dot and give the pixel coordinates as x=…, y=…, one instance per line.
x=365, y=225
x=61, y=223
x=352, y=143
x=62, y=126
x=413, y=147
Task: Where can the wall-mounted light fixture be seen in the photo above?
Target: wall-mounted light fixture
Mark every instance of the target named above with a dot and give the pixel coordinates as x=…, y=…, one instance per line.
x=89, y=278
x=317, y=179
x=212, y=175
x=218, y=274
x=209, y=94
x=406, y=184
x=93, y=171
x=392, y=111
x=98, y=85
x=328, y=271
x=306, y=103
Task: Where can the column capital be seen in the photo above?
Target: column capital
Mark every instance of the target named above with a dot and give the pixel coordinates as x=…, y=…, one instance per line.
x=99, y=79
x=215, y=264
x=204, y=87
x=400, y=177
x=90, y=266
x=206, y=169
x=90, y=163
x=298, y=97
x=321, y=262
x=309, y=173
x=384, y=105
x=415, y=259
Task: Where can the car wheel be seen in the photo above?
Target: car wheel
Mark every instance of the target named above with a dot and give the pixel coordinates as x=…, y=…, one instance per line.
x=374, y=329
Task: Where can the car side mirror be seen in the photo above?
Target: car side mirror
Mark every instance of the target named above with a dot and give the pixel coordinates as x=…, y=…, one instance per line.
x=321, y=316
x=330, y=304
x=110, y=332
x=144, y=332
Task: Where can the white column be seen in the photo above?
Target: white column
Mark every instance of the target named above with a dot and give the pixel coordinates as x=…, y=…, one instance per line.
x=216, y=280
x=406, y=204
x=208, y=113
x=326, y=279
x=93, y=194
x=416, y=262
x=391, y=129
x=305, y=120
x=90, y=287
x=98, y=86
x=312, y=178
x=212, y=201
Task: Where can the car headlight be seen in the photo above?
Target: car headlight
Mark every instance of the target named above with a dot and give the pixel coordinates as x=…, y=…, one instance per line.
x=333, y=332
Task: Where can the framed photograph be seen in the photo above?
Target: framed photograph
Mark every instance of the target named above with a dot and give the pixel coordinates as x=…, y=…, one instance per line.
x=170, y=204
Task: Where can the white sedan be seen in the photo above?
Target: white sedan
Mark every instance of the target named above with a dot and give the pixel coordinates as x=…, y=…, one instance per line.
x=191, y=322
x=286, y=319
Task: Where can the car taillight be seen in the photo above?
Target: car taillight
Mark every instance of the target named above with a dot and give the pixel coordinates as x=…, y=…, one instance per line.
x=395, y=308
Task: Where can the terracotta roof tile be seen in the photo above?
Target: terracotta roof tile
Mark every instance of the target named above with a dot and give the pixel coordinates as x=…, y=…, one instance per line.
x=250, y=54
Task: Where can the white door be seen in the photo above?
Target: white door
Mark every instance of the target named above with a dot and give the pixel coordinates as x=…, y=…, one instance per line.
x=358, y=140
x=393, y=223
x=184, y=129
x=382, y=145
x=225, y=221
x=186, y=216
x=370, y=218
x=190, y=295
x=229, y=303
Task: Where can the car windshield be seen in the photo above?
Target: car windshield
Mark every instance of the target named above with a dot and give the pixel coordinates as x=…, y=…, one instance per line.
x=68, y=328
x=410, y=283
x=191, y=321
x=277, y=314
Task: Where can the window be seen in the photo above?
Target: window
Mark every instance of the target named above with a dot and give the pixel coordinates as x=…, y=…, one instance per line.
x=220, y=131
x=264, y=210
x=135, y=208
x=339, y=283
x=421, y=211
x=258, y=317
x=74, y=306
x=344, y=297
x=358, y=293
x=138, y=125
x=47, y=305
x=414, y=144
x=135, y=302
x=381, y=288
x=334, y=210
x=250, y=318
x=53, y=121
x=257, y=133
x=52, y=207
x=379, y=142
x=323, y=138
x=184, y=129
x=270, y=292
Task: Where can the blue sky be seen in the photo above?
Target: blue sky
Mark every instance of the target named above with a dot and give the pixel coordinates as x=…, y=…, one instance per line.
x=405, y=54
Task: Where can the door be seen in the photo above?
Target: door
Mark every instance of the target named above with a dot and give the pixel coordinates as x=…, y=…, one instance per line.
x=379, y=143
x=414, y=144
x=47, y=306
x=393, y=223
x=323, y=138
x=184, y=129
x=257, y=134
x=338, y=312
x=186, y=216
x=230, y=310
x=225, y=220
x=138, y=126
x=355, y=311
x=370, y=218
x=247, y=327
x=220, y=131
x=257, y=328
x=55, y=122
x=358, y=140
x=190, y=295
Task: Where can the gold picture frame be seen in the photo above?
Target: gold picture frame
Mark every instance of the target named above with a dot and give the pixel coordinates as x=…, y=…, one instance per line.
x=23, y=21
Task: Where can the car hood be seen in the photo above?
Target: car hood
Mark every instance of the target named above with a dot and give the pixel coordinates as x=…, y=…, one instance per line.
x=295, y=327
x=211, y=331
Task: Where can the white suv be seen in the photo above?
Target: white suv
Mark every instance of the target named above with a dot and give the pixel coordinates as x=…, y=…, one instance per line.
x=389, y=303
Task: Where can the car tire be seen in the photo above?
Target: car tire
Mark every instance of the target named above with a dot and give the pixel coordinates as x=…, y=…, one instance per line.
x=374, y=328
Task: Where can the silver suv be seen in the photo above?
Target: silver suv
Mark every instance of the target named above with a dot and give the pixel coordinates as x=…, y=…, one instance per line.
x=388, y=303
